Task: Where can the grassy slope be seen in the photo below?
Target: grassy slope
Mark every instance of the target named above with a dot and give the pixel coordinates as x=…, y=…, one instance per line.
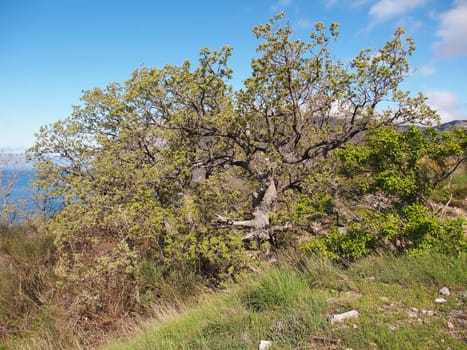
x=290, y=305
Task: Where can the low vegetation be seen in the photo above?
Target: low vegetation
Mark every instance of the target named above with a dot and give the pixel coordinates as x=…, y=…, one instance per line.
x=291, y=305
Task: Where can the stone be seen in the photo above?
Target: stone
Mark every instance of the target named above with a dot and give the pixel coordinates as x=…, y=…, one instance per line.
x=450, y=326
x=264, y=344
x=342, y=230
x=246, y=338
x=428, y=312
x=7, y=262
x=352, y=294
x=445, y=291
x=344, y=316
x=440, y=301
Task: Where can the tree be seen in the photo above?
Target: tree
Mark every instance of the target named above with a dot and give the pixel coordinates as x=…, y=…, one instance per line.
x=10, y=169
x=298, y=105
x=157, y=168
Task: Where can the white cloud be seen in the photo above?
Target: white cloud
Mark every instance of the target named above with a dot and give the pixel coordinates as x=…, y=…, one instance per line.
x=280, y=4
x=452, y=32
x=410, y=24
x=427, y=70
x=385, y=9
x=330, y=2
x=351, y=3
x=447, y=104
x=303, y=24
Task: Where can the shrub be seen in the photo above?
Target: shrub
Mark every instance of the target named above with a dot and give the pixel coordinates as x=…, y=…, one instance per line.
x=414, y=229
x=387, y=185
x=344, y=247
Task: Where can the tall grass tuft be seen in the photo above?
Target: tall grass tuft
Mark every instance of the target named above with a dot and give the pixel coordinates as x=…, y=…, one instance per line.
x=277, y=288
x=27, y=282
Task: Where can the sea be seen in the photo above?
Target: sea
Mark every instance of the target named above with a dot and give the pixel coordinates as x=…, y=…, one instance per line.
x=23, y=196
x=17, y=189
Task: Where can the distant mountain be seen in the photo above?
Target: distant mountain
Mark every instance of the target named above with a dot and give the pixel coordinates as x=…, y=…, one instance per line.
x=461, y=124
x=14, y=160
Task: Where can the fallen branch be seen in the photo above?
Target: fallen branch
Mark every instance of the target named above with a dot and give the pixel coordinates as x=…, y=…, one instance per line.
x=237, y=223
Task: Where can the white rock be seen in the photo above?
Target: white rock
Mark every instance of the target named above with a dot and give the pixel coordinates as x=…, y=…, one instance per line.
x=445, y=291
x=246, y=338
x=440, y=300
x=428, y=312
x=265, y=344
x=344, y=316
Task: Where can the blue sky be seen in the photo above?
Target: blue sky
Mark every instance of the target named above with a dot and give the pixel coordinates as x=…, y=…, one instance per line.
x=52, y=50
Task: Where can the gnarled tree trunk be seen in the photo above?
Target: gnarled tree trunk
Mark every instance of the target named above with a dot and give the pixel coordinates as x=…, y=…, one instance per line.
x=258, y=226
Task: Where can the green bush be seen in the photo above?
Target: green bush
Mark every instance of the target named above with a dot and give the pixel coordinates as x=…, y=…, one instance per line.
x=408, y=165
x=344, y=247
x=448, y=239
x=414, y=229
x=385, y=190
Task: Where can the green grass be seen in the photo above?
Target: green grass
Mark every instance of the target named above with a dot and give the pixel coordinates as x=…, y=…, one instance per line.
x=240, y=317
x=290, y=305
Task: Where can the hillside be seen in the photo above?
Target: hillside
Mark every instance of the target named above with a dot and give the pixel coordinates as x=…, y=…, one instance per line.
x=397, y=300
x=460, y=124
